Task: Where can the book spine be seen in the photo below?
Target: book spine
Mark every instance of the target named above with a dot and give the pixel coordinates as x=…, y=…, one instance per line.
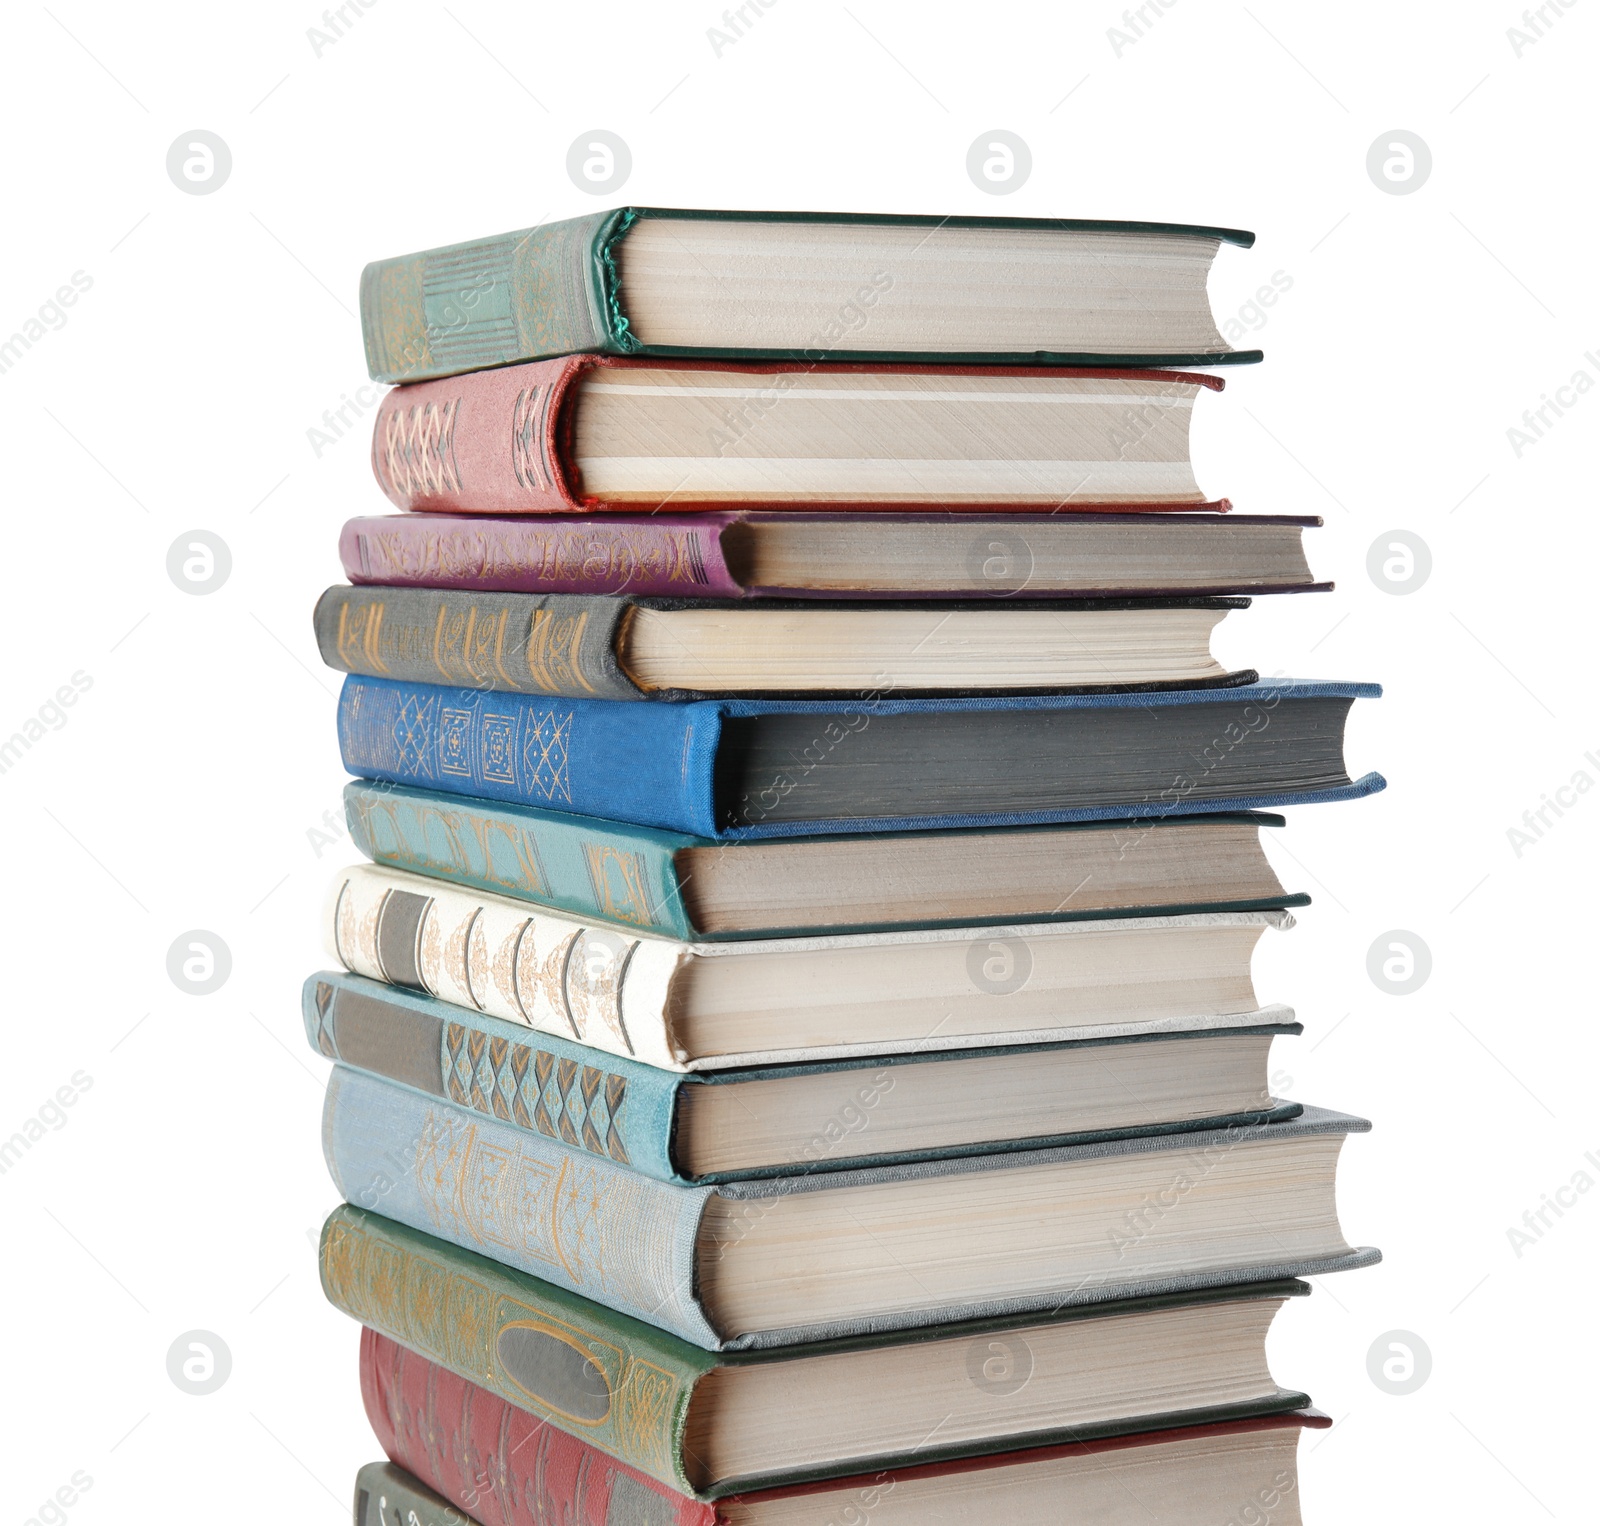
x=594, y=870
x=489, y=442
x=650, y=764
x=490, y=954
x=615, y=1111
x=389, y=1496
x=581, y=1223
x=667, y=558
x=491, y=302
x=487, y=1457
x=501, y=642
x=617, y=1383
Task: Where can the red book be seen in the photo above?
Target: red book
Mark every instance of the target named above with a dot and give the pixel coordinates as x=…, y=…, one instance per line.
x=590, y=432
x=505, y=1467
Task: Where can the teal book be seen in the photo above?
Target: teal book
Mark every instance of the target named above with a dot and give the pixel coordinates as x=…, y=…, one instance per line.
x=801, y=286
x=697, y=889
x=819, y=1255
x=711, y=1126
x=689, y=1418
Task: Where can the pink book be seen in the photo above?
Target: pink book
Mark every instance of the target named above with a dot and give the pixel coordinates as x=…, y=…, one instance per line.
x=735, y=554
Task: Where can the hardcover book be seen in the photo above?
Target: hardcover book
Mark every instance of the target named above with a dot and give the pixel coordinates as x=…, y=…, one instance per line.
x=729, y=1005
x=1157, y=1478
x=714, y=1425
x=712, y=1126
x=803, y=286
x=777, y=1260
x=856, y=555
x=789, y=768
x=593, y=432
x=595, y=647
x=696, y=889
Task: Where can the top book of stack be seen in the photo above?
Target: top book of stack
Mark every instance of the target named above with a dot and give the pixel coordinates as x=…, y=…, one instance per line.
x=809, y=286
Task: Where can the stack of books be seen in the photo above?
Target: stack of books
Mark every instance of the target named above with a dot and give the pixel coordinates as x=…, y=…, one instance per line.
x=796, y=1057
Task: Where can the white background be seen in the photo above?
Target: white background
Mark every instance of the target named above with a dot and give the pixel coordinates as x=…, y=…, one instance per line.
x=184, y=1187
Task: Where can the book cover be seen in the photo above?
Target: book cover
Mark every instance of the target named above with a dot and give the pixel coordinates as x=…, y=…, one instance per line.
x=656, y=765
x=503, y=441
x=554, y=290
x=564, y=1481
x=554, y=1373
x=568, y=644
x=611, y=1107
x=621, y=992
x=680, y=556
x=388, y=1496
x=592, y=1227
x=625, y=875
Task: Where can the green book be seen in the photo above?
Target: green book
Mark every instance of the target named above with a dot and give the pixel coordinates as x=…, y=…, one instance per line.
x=699, y=890
x=802, y=286
x=712, y=1424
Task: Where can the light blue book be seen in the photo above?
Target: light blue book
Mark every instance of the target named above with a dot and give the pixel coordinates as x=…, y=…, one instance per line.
x=776, y=1260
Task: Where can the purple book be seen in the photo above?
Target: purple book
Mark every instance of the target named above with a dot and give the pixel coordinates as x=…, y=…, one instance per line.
x=847, y=555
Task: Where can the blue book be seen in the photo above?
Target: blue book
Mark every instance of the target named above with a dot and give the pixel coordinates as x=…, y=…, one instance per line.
x=790, y=768
x=711, y=1126
x=825, y=1254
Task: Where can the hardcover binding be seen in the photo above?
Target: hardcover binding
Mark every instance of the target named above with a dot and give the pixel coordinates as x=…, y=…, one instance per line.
x=662, y=556
x=655, y=765
x=546, y=1085
x=566, y=644
x=610, y=872
x=553, y=290
x=599, y=1230
x=501, y=441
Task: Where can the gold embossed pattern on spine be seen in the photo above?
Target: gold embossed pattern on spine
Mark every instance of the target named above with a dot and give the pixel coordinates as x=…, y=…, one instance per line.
x=384, y=1278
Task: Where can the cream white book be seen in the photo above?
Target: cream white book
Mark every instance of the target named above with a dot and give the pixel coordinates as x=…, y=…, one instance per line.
x=709, y=1006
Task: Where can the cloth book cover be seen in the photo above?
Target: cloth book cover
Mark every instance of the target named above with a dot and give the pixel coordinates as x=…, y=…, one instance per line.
x=555, y=290
x=676, y=556
x=586, y=1488
x=530, y=1354
x=618, y=992
x=591, y=1226
x=504, y=441
x=603, y=1104
x=605, y=870
x=568, y=644
x=656, y=765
